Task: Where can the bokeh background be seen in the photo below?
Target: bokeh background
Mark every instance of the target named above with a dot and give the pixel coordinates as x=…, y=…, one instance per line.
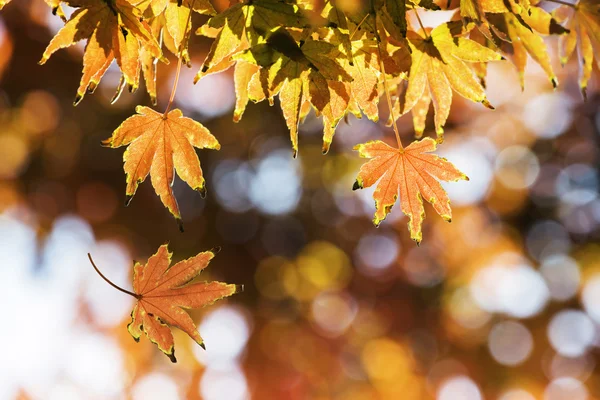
x=503, y=303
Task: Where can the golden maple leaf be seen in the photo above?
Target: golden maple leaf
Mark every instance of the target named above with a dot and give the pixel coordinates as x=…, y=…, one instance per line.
x=243, y=23
x=583, y=21
x=164, y=292
x=172, y=17
x=114, y=32
x=303, y=73
x=524, y=31
x=410, y=171
x=159, y=145
x=438, y=66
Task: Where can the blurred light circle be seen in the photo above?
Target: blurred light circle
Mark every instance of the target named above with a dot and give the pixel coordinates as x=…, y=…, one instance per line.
x=571, y=332
x=386, y=360
x=465, y=311
x=516, y=394
x=14, y=153
x=575, y=367
x=580, y=219
x=212, y=96
x=422, y=268
x=276, y=187
x=375, y=252
x=333, y=312
x=548, y=115
x=484, y=287
x=95, y=362
x=517, y=167
x=472, y=157
x=227, y=384
x=225, y=332
x=546, y=238
x=565, y=389
x=562, y=276
x=155, y=386
x=577, y=184
x=590, y=297
x=459, y=387
x=510, y=343
x=232, y=180
x=517, y=290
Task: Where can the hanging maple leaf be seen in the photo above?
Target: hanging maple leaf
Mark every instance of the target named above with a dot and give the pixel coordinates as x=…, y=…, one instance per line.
x=298, y=73
x=114, y=32
x=159, y=145
x=438, y=66
x=164, y=292
x=583, y=21
x=411, y=171
x=524, y=32
x=172, y=17
x=247, y=22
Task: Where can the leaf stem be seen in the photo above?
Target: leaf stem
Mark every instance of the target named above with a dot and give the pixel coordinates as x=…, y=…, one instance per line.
x=564, y=3
x=359, y=25
x=179, y=62
x=137, y=296
x=421, y=22
x=385, y=86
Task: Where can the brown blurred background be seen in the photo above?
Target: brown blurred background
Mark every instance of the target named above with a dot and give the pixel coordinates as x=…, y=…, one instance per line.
x=503, y=303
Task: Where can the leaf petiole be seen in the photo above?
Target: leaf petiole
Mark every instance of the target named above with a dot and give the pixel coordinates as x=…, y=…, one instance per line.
x=137, y=296
x=179, y=62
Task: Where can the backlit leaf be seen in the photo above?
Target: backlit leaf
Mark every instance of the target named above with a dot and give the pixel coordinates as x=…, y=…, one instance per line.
x=412, y=172
x=159, y=145
x=164, y=293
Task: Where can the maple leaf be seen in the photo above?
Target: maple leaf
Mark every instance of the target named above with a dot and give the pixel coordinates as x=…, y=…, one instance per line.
x=3, y=3
x=172, y=16
x=247, y=22
x=583, y=21
x=299, y=73
x=164, y=292
x=412, y=172
x=438, y=66
x=159, y=145
x=524, y=32
x=114, y=32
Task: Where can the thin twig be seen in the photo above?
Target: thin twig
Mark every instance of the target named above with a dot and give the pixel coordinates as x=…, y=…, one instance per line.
x=358, y=26
x=389, y=99
x=179, y=62
x=137, y=296
x=385, y=86
x=421, y=22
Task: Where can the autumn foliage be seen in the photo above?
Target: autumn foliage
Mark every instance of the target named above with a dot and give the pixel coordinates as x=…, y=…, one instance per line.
x=332, y=58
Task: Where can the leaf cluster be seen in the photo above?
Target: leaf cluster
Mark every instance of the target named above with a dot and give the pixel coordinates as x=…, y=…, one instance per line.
x=333, y=58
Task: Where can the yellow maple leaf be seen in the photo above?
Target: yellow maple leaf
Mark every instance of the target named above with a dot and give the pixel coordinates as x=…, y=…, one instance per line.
x=159, y=145
x=114, y=32
x=438, y=66
x=583, y=21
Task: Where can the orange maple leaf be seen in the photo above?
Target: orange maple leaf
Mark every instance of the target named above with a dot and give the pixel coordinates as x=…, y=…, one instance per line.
x=114, y=32
x=163, y=293
x=412, y=172
x=159, y=145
